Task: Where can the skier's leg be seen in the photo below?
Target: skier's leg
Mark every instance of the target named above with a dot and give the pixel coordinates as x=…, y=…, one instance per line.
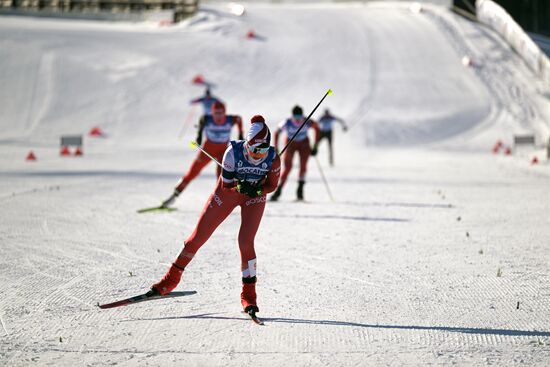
x=330, y=151
x=198, y=164
x=219, y=205
x=251, y=214
x=304, y=152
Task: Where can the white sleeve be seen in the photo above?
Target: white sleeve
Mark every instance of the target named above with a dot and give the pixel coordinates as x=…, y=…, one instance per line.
x=228, y=163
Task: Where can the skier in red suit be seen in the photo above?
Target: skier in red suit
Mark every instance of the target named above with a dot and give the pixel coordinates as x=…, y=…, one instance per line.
x=250, y=171
x=217, y=128
x=299, y=145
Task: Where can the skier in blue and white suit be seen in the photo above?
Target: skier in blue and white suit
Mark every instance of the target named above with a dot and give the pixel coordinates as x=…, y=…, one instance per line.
x=207, y=101
x=325, y=124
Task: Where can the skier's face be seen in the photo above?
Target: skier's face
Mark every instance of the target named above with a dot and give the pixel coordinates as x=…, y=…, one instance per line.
x=258, y=151
x=219, y=116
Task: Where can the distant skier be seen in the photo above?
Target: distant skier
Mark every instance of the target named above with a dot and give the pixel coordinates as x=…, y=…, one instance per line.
x=325, y=122
x=300, y=145
x=207, y=101
x=250, y=170
x=217, y=128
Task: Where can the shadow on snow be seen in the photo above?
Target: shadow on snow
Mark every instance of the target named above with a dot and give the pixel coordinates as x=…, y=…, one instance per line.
x=333, y=216
x=267, y=320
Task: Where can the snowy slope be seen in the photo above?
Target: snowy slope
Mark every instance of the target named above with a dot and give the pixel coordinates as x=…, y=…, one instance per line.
x=400, y=270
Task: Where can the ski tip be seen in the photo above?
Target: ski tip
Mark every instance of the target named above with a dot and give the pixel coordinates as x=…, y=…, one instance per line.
x=329, y=92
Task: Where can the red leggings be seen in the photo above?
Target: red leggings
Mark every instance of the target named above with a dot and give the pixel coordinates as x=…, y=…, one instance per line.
x=219, y=205
x=215, y=150
x=303, y=149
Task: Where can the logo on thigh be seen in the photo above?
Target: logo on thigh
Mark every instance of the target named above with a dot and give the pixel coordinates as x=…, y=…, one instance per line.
x=260, y=199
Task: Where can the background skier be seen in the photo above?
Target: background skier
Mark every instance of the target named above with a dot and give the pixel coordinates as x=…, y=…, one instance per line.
x=207, y=101
x=217, y=128
x=300, y=145
x=325, y=124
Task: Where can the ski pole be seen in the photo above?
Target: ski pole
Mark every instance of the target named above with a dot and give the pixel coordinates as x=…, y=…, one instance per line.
x=324, y=178
x=305, y=121
x=190, y=115
x=194, y=144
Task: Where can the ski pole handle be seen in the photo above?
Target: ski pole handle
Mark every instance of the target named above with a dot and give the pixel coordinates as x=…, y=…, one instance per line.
x=329, y=92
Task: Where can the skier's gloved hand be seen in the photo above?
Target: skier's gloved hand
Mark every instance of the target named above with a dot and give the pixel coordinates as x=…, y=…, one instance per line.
x=241, y=137
x=199, y=139
x=166, y=203
x=251, y=189
x=314, y=150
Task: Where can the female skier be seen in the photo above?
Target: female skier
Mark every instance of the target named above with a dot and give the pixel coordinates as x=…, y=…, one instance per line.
x=251, y=169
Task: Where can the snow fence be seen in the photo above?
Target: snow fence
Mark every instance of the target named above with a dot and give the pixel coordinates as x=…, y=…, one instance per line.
x=497, y=18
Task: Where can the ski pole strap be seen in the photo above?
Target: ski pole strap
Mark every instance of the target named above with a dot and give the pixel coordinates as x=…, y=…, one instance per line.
x=194, y=144
x=305, y=121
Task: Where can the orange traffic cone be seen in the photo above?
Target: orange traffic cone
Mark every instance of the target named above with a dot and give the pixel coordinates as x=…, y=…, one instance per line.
x=65, y=151
x=198, y=79
x=251, y=34
x=31, y=156
x=497, y=146
x=78, y=151
x=535, y=160
x=96, y=132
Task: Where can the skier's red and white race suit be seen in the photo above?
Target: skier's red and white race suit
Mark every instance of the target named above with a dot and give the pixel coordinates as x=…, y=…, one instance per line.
x=219, y=205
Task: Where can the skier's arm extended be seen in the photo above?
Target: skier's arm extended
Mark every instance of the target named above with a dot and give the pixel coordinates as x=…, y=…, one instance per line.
x=342, y=122
x=197, y=100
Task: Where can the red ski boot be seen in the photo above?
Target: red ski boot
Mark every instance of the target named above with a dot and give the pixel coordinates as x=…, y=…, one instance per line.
x=169, y=281
x=248, y=295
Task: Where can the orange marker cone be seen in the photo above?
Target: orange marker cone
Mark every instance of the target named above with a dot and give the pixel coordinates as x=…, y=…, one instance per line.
x=78, y=151
x=31, y=156
x=535, y=160
x=65, y=151
x=251, y=34
x=95, y=132
x=497, y=146
x=508, y=151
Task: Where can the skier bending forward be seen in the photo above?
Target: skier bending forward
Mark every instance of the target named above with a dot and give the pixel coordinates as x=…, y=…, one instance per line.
x=250, y=170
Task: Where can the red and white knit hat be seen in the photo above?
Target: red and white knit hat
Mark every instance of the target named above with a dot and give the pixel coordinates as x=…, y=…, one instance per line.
x=259, y=134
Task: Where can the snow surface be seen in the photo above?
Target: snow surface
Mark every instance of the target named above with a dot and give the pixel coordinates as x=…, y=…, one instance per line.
x=422, y=259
